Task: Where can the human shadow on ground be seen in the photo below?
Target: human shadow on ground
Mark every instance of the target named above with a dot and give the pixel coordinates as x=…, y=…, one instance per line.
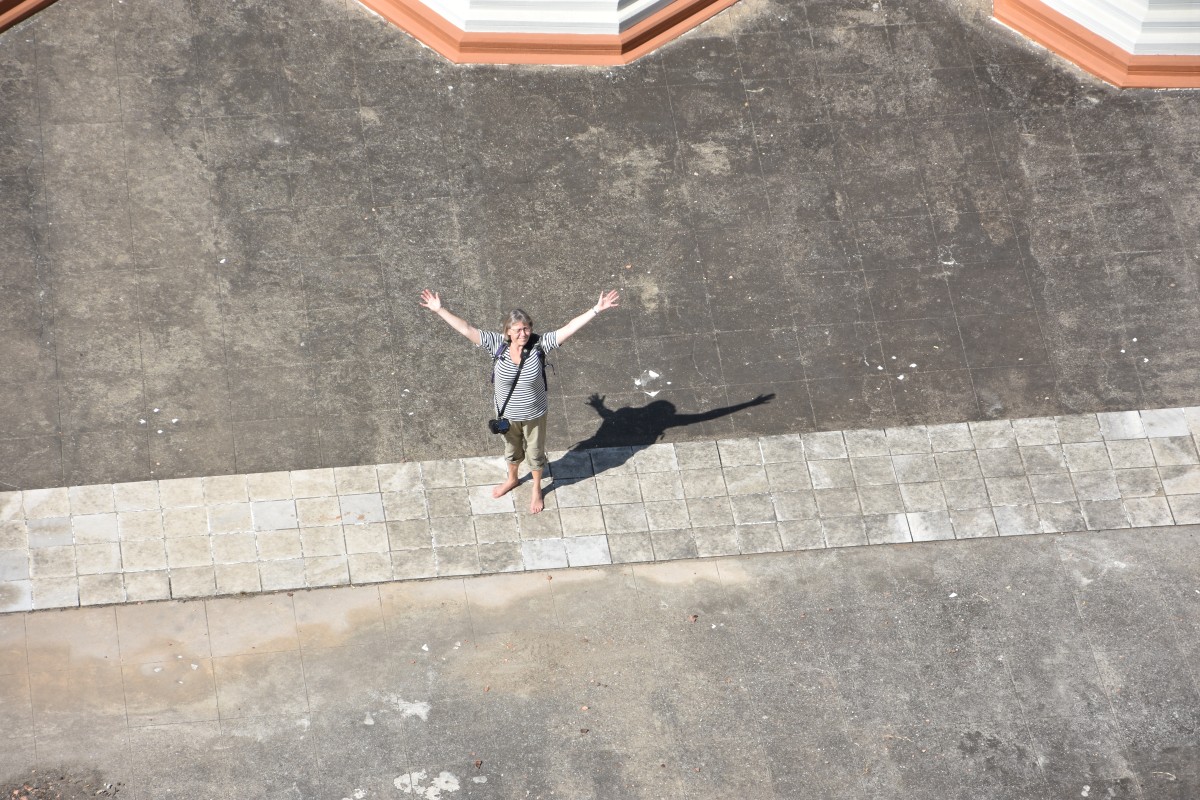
x=628, y=430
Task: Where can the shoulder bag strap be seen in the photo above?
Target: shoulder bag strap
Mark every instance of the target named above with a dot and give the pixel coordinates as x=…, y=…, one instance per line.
x=524, y=358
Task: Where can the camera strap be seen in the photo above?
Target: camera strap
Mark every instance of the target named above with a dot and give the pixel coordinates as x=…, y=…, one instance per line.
x=499, y=354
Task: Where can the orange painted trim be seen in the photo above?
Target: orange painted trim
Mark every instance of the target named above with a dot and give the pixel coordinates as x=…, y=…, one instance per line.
x=1094, y=53
x=13, y=11
x=464, y=47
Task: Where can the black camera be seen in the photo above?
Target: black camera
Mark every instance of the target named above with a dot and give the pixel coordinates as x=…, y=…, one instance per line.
x=498, y=425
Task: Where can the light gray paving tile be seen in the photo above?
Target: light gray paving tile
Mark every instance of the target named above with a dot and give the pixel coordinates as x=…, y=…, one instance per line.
x=278, y=545
x=618, y=489
x=12, y=508
x=571, y=464
x=883, y=499
x=1086, y=456
x=133, y=525
x=660, y=486
x=912, y=440
x=873, y=470
x=751, y=509
x=1120, y=425
x=481, y=501
x=461, y=560
x=360, y=509
x=581, y=521
x=444, y=502
x=326, y=571
x=801, y=534
x=183, y=522
x=1174, y=452
x=923, y=496
x=958, y=465
x=1130, y=453
x=223, y=518
x=14, y=564
x=46, y=503
x=202, y=582
x=993, y=433
x=1009, y=491
x=1017, y=520
x=844, y=531
x=97, y=528
x=709, y=511
x=482, y=471
x=442, y=474
x=719, y=540
x=784, y=448
x=837, y=502
x=1099, y=485
x=314, y=512
x=55, y=593
x=866, y=443
x=405, y=565
x=625, y=518
x=192, y=551
x=414, y=534
x=1148, y=512
x=101, y=589
x=236, y=578
x=950, y=437
x=49, y=532
x=544, y=525
x=1180, y=480
x=746, y=480
x=788, y=477
x=1139, y=482
x=887, y=528
x=18, y=596
x=279, y=575
x=401, y=505
x=739, y=452
x=181, y=492
x=222, y=489
x=761, y=538
x=1163, y=422
x=1055, y=488
x=273, y=515
x=1078, y=428
x=236, y=548
x=1035, y=431
x=402, y=477
x=631, y=548
x=370, y=538
x=361, y=480
x=834, y=473
x=269, y=486
x=94, y=499
x=821, y=445
x=1185, y=508
x=612, y=460
x=666, y=515
x=491, y=528
x=497, y=557
x=544, y=554
x=1104, y=514
x=1060, y=517
x=380, y=567
x=654, y=458
x=313, y=483
x=795, y=505
x=1001, y=462
x=137, y=496
x=697, y=455
x=588, y=551
x=576, y=492
x=146, y=586
x=673, y=544
x=973, y=523
x=915, y=468
x=703, y=483
x=1191, y=415
x=929, y=526
x=14, y=535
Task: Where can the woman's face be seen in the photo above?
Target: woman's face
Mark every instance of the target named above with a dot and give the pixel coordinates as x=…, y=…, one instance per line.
x=519, y=333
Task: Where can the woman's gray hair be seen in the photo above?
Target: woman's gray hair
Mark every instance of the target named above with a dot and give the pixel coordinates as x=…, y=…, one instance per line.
x=517, y=315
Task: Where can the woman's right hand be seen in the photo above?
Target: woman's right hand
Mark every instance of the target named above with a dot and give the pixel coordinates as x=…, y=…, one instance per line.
x=430, y=300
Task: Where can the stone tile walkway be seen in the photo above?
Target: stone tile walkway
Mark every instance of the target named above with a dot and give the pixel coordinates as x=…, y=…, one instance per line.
x=231, y=534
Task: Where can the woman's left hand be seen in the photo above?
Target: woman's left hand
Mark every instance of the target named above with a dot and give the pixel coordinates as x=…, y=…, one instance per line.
x=607, y=300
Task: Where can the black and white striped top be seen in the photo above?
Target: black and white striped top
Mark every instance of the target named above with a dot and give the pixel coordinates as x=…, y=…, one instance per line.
x=528, y=400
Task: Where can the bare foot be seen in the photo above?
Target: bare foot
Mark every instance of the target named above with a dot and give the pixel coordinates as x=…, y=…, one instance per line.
x=536, y=503
x=505, y=487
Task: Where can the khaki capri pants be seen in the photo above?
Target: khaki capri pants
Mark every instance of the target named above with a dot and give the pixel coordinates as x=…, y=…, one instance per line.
x=525, y=441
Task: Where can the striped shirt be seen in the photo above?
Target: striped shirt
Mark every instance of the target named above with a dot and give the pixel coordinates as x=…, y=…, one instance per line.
x=528, y=401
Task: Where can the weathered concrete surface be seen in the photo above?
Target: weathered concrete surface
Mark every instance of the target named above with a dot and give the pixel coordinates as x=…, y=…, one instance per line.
x=225, y=212
x=1044, y=667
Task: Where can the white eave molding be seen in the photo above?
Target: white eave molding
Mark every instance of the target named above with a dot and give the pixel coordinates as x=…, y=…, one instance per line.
x=607, y=17
x=1139, y=27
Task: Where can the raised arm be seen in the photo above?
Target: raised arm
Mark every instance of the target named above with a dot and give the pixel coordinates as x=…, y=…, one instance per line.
x=607, y=300
x=431, y=301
